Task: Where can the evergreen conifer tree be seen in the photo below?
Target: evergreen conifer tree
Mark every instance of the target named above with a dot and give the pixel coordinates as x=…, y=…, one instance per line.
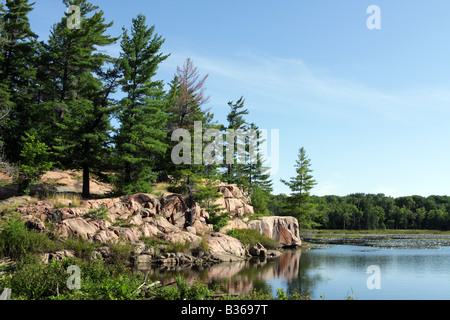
x=140, y=142
x=299, y=203
x=18, y=48
x=76, y=93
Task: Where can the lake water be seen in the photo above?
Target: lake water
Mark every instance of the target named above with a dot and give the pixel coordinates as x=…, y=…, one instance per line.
x=339, y=271
x=335, y=272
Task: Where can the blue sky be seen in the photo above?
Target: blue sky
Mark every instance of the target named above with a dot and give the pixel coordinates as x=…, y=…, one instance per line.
x=371, y=107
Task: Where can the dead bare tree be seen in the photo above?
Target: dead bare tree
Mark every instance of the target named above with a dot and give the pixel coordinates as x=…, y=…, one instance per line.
x=191, y=92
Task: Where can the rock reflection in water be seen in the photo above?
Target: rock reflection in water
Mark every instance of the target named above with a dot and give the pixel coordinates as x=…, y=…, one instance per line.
x=236, y=277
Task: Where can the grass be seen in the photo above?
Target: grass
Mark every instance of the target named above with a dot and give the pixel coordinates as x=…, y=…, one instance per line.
x=250, y=237
x=63, y=200
x=160, y=189
x=165, y=246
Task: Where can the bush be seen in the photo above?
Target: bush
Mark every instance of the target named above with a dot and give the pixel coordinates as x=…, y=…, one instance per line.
x=82, y=247
x=16, y=241
x=99, y=213
x=250, y=237
x=33, y=280
x=183, y=291
x=120, y=252
x=34, y=163
x=219, y=220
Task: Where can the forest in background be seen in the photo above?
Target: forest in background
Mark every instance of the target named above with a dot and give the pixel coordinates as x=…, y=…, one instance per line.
x=59, y=107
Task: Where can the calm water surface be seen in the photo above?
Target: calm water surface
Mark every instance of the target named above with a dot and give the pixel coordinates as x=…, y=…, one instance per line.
x=335, y=272
x=339, y=271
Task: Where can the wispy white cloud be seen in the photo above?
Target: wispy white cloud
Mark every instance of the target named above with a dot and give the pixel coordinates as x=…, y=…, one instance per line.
x=291, y=84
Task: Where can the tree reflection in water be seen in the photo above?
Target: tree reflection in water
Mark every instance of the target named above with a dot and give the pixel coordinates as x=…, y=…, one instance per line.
x=288, y=272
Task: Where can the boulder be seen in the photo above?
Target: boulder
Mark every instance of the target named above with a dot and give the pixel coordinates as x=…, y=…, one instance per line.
x=236, y=223
x=106, y=236
x=79, y=227
x=225, y=246
x=33, y=223
x=284, y=230
x=234, y=201
x=258, y=250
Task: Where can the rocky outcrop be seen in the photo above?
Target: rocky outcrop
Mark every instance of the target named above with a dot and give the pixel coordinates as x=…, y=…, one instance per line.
x=134, y=217
x=258, y=250
x=234, y=201
x=235, y=223
x=226, y=248
x=284, y=230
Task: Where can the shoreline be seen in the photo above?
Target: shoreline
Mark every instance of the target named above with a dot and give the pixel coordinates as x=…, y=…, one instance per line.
x=404, y=240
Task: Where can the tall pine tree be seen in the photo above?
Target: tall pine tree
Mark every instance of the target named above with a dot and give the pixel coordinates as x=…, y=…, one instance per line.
x=299, y=202
x=140, y=142
x=17, y=76
x=77, y=94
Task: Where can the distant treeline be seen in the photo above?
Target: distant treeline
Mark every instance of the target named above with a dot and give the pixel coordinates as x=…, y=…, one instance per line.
x=375, y=211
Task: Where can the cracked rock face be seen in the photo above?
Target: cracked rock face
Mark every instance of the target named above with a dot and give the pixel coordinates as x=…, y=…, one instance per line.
x=219, y=243
x=284, y=230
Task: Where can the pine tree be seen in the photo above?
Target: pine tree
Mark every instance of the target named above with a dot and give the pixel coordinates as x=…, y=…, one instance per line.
x=247, y=169
x=17, y=75
x=5, y=103
x=187, y=98
x=236, y=126
x=77, y=94
x=256, y=175
x=140, y=142
x=298, y=202
x=190, y=97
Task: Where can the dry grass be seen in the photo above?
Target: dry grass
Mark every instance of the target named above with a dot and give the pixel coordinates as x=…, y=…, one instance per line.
x=63, y=200
x=161, y=188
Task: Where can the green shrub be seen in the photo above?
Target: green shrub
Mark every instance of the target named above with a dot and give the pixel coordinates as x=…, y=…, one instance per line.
x=251, y=237
x=82, y=247
x=16, y=241
x=120, y=252
x=219, y=220
x=33, y=280
x=99, y=213
x=177, y=247
x=183, y=291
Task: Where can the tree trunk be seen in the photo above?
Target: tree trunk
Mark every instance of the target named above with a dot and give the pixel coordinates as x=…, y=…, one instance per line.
x=189, y=212
x=86, y=193
x=86, y=188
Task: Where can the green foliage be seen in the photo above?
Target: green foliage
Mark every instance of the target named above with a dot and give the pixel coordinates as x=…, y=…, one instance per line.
x=178, y=246
x=259, y=201
x=99, y=213
x=33, y=280
x=377, y=211
x=16, y=241
x=18, y=52
x=250, y=237
x=34, y=163
x=219, y=220
x=82, y=247
x=203, y=245
x=141, y=137
x=183, y=291
x=298, y=203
